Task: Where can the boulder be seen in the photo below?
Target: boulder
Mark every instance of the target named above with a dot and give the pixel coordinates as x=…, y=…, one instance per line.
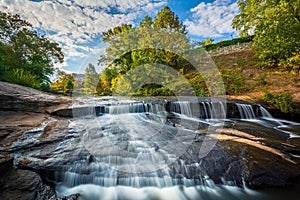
x=20, y=98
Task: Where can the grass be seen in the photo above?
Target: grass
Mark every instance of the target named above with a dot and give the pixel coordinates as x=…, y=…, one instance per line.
x=258, y=79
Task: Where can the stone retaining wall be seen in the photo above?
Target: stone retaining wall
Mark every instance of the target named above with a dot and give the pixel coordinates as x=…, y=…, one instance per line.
x=231, y=49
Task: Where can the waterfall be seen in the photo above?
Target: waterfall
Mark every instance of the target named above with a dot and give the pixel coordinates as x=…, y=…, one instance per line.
x=204, y=110
x=213, y=110
x=246, y=111
x=264, y=112
x=129, y=108
x=131, y=145
x=182, y=107
x=137, y=146
x=200, y=192
x=102, y=174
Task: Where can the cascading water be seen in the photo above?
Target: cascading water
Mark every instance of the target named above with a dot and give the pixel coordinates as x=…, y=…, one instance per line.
x=213, y=110
x=264, y=112
x=246, y=111
x=134, y=148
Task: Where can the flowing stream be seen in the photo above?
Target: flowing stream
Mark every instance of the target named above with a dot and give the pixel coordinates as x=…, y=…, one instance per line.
x=136, y=149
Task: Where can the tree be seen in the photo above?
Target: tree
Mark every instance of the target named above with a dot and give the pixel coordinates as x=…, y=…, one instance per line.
x=167, y=19
x=276, y=26
x=91, y=79
x=105, y=82
x=22, y=49
x=146, y=22
x=69, y=87
x=115, y=31
x=157, y=40
x=64, y=83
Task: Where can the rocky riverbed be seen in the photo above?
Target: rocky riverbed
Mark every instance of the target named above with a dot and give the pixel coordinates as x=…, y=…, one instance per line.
x=38, y=147
x=22, y=109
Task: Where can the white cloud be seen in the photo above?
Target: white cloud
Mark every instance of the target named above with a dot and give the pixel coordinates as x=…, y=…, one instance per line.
x=212, y=19
x=76, y=24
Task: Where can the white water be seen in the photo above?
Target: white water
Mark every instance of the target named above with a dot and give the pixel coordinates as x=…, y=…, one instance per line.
x=213, y=110
x=201, y=192
x=133, y=146
x=265, y=113
x=246, y=111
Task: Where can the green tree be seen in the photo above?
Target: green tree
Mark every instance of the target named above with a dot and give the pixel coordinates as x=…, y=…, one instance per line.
x=105, y=83
x=69, y=87
x=91, y=79
x=115, y=31
x=64, y=83
x=146, y=22
x=23, y=50
x=276, y=26
x=167, y=19
x=153, y=41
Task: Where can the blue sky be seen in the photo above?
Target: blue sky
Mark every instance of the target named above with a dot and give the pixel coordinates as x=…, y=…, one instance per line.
x=77, y=24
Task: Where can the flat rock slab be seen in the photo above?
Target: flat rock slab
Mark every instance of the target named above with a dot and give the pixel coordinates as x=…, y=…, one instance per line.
x=20, y=98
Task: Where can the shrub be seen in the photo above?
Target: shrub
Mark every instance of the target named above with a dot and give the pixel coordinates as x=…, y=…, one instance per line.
x=281, y=101
x=262, y=79
x=234, y=82
x=153, y=90
x=228, y=42
x=22, y=77
x=198, y=84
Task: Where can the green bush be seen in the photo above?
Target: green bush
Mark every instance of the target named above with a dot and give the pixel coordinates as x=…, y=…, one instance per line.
x=228, y=42
x=281, y=101
x=153, y=90
x=262, y=79
x=22, y=77
x=234, y=82
x=198, y=84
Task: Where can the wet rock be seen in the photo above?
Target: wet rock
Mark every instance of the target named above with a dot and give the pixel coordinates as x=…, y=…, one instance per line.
x=71, y=197
x=77, y=111
x=248, y=153
x=19, y=98
x=46, y=147
x=26, y=185
x=23, y=184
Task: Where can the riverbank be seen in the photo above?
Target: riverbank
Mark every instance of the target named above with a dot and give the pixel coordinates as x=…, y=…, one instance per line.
x=41, y=148
x=258, y=79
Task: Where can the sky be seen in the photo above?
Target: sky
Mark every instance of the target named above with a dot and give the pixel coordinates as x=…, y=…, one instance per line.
x=77, y=24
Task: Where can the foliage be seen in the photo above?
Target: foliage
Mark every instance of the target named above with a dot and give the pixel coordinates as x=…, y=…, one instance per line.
x=234, y=82
x=22, y=77
x=106, y=79
x=166, y=19
x=139, y=80
x=276, y=25
x=64, y=83
x=281, y=101
x=153, y=41
x=23, y=50
x=198, y=83
x=128, y=45
x=262, y=79
x=210, y=46
x=91, y=79
x=69, y=86
x=153, y=90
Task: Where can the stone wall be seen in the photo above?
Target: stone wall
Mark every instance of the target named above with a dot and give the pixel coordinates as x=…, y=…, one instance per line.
x=230, y=49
